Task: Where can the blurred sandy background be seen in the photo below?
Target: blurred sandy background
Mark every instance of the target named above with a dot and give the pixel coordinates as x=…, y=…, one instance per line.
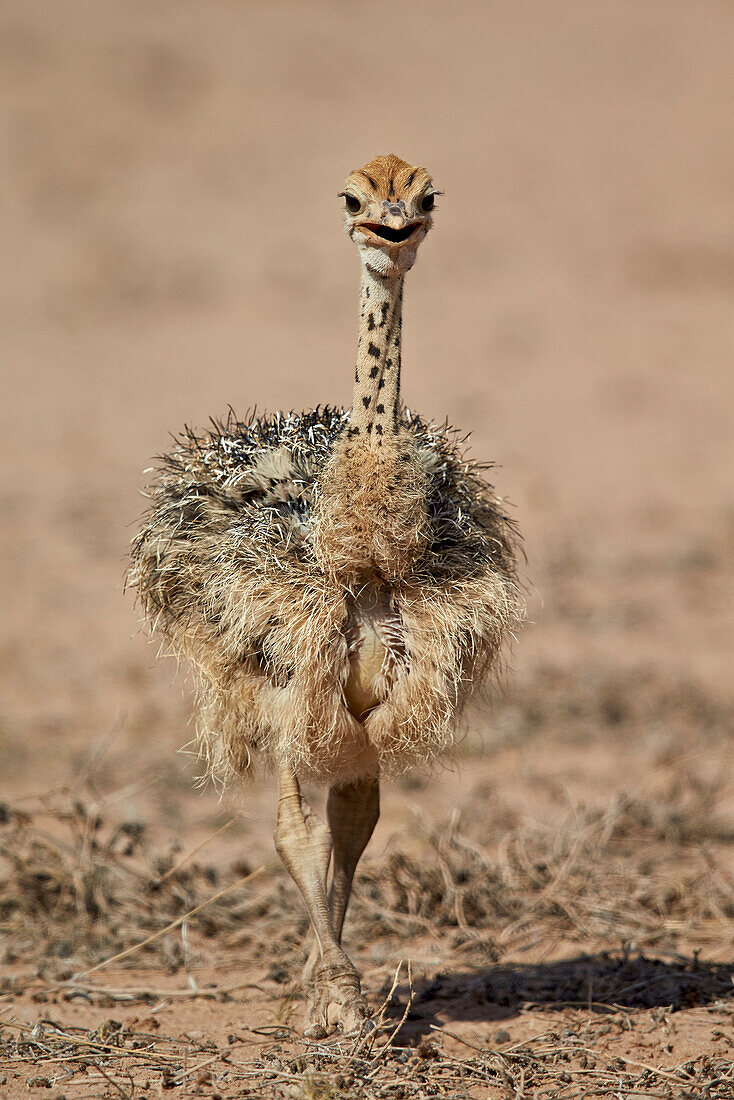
x=172, y=244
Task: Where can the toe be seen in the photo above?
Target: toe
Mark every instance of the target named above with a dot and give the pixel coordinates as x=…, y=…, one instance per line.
x=315, y=1023
x=352, y=1016
x=315, y=1031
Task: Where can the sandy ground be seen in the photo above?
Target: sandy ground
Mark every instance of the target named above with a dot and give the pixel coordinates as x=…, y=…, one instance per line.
x=172, y=246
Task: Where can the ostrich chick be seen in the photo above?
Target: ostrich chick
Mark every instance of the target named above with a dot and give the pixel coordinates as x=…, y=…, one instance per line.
x=341, y=581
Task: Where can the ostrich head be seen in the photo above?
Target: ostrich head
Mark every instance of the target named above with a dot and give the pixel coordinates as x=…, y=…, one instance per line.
x=388, y=206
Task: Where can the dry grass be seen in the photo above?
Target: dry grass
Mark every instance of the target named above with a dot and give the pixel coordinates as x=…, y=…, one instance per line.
x=641, y=875
x=636, y=871
x=78, y=888
x=553, y=1066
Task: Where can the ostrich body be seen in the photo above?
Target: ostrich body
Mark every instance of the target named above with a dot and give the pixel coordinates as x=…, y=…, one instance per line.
x=341, y=581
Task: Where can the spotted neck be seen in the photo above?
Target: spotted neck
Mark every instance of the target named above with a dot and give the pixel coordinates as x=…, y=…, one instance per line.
x=371, y=517
x=376, y=401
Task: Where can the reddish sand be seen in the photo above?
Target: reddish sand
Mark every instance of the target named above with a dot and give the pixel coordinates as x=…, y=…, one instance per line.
x=172, y=245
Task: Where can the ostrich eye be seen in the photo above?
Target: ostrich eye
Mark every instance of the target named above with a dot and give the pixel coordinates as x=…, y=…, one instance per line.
x=353, y=204
x=428, y=202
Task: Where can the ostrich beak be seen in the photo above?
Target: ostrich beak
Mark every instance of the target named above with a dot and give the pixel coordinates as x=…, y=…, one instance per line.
x=394, y=215
x=394, y=226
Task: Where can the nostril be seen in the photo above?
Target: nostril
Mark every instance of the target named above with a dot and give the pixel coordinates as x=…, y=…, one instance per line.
x=395, y=210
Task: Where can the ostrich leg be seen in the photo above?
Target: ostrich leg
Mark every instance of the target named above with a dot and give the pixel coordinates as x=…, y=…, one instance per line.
x=352, y=812
x=304, y=844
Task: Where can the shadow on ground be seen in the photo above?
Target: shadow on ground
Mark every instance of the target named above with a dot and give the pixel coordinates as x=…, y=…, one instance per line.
x=600, y=983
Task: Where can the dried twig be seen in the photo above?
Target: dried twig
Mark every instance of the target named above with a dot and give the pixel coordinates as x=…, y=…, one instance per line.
x=169, y=927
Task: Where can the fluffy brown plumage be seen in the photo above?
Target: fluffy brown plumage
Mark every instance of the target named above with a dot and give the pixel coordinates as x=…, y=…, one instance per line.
x=246, y=563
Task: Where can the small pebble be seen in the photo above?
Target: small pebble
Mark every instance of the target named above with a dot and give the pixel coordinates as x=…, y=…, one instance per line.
x=501, y=1036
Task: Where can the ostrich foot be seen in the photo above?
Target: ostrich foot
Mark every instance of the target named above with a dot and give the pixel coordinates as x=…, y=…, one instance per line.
x=335, y=1001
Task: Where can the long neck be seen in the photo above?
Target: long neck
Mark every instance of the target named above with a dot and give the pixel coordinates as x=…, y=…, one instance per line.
x=371, y=520
x=376, y=402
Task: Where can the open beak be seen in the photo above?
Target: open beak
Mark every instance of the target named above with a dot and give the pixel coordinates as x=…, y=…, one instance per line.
x=393, y=229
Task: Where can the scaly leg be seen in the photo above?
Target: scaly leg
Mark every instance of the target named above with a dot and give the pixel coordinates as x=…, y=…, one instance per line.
x=352, y=812
x=304, y=845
